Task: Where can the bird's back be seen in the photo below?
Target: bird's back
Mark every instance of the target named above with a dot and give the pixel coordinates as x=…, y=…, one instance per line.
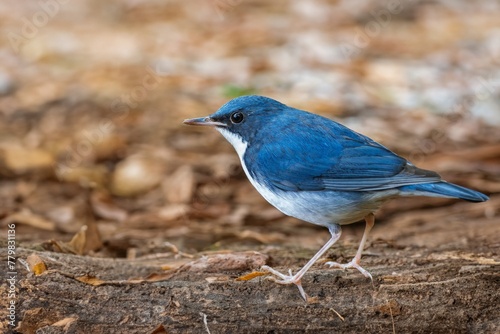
x=304, y=151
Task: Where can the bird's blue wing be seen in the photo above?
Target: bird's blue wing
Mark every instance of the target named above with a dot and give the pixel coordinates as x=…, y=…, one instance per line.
x=326, y=155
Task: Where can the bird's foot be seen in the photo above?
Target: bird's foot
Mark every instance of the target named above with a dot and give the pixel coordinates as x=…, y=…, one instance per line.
x=286, y=279
x=353, y=264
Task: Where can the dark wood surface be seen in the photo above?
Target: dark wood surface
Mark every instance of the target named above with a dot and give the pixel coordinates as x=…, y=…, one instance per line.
x=452, y=287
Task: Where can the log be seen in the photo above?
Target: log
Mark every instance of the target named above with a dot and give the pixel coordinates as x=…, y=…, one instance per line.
x=414, y=290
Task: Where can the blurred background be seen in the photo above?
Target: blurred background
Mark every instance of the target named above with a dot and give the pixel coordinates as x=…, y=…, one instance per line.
x=94, y=158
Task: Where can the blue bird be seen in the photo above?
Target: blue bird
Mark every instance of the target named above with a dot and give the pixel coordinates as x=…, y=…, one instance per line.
x=317, y=170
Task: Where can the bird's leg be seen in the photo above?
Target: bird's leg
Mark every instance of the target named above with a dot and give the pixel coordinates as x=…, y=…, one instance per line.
x=335, y=231
x=370, y=221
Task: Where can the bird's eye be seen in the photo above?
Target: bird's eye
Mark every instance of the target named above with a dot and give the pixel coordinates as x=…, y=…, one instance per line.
x=237, y=117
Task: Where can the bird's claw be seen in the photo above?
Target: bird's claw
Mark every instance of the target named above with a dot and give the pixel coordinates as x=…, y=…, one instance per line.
x=353, y=264
x=286, y=279
x=281, y=278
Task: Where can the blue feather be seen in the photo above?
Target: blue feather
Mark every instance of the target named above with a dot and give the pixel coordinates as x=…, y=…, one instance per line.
x=319, y=154
x=291, y=150
x=445, y=189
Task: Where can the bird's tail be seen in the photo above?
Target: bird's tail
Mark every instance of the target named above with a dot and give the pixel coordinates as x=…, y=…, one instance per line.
x=444, y=189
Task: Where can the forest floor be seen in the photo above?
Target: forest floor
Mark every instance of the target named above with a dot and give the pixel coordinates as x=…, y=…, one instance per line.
x=127, y=221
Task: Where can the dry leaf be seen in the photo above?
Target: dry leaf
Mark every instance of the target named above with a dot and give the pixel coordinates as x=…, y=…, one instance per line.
x=159, y=330
x=390, y=308
x=66, y=322
x=63, y=216
x=91, y=280
x=155, y=277
x=93, y=237
x=78, y=241
x=28, y=218
x=36, y=264
x=224, y=165
x=103, y=206
x=108, y=145
x=85, y=240
x=173, y=211
x=252, y=275
x=179, y=187
x=93, y=175
x=135, y=175
x=20, y=160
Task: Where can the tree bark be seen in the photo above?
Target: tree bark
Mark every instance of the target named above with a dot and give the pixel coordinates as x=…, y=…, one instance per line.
x=414, y=291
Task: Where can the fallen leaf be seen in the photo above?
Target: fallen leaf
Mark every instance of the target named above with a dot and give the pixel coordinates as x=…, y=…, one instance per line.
x=93, y=175
x=173, y=211
x=36, y=264
x=66, y=322
x=159, y=330
x=391, y=308
x=136, y=175
x=28, y=218
x=103, y=206
x=85, y=240
x=252, y=275
x=64, y=217
x=78, y=241
x=20, y=160
x=92, y=237
x=91, y=280
x=179, y=186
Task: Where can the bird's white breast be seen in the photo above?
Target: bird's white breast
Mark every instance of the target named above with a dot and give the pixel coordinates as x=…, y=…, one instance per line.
x=241, y=146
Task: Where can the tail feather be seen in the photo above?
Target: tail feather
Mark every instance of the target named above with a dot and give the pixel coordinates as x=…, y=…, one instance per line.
x=444, y=189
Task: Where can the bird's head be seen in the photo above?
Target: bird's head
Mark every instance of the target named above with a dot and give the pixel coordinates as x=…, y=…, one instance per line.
x=242, y=117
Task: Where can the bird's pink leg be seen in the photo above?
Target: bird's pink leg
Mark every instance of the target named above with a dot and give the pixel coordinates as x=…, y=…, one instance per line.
x=335, y=231
x=370, y=221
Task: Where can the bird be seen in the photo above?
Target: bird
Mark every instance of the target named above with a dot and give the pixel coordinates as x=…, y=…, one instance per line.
x=320, y=171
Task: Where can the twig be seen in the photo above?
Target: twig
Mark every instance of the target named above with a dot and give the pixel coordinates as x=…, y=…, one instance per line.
x=337, y=313
x=205, y=321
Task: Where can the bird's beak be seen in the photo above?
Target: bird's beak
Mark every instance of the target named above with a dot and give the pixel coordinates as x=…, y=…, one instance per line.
x=204, y=121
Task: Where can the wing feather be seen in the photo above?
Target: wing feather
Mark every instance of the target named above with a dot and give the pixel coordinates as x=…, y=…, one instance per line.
x=329, y=156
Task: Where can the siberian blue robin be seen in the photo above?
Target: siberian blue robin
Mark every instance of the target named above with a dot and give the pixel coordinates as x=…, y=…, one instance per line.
x=317, y=170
